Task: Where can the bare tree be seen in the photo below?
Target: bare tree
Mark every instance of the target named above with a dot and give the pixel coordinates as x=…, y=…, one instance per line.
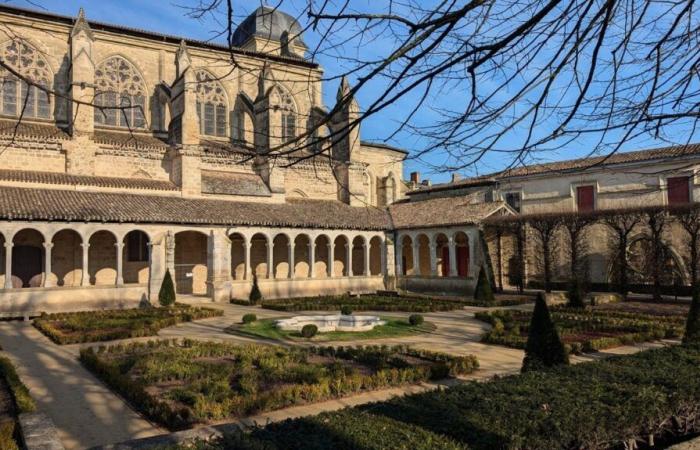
x=544, y=228
x=622, y=223
x=656, y=222
x=688, y=216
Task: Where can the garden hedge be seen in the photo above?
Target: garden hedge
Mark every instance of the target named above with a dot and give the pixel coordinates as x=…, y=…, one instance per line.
x=653, y=395
x=362, y=303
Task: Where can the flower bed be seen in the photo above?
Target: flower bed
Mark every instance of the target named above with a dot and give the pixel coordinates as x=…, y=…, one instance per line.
x=179, y=384
x=584, y=330
x=95, y=326
x=363, y=303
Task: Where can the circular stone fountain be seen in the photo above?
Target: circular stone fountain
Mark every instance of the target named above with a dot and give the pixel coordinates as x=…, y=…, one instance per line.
x=332, y=322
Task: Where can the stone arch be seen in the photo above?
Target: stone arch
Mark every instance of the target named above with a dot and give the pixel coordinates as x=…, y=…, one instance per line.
x=358, y=255
x=280, y=255
x=136, y=255
x=639, y=264
x=27, y=258
x=243, y=120
x=462, y=251
x=119, y=83
x=302, y=257
x=442, y=254
x=321, y=255
x=212, y=104
x=375, y=255
x=27, y=60
x=258, y=255
x=423, y=268
x=407, y=255
x=3, y=269
x=102, y=258
x=66, y=259
x=238, y=251
x=191, y=262
x=297, y=193
x=340, y=256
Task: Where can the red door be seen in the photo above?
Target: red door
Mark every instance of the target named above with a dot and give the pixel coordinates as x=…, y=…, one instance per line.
x=584, y=198
x=445, y=261
x=463, y=261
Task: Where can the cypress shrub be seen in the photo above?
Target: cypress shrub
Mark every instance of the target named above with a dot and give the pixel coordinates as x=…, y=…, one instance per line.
x=255, y=295
x=483, y=292
x=576, y=293
x=544, y=348
x=309, y=331
x=415, y=319
x=345, y=310
x=249, y=318
x=166, y=295
x=692, y=325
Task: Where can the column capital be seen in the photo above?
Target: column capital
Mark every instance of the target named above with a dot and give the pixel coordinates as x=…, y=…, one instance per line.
x=48, y=245
x=9, y=244
x=85, y=245
x=119, y=244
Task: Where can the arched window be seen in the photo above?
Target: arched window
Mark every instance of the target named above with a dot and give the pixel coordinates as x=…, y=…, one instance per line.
x=211, y=105
x=282, y=103
x=18, y=97
x=118, y=84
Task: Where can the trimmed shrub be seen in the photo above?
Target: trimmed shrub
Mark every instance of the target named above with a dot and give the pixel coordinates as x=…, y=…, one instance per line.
x=309, y=331
x=415, y=319
x=345, y=310
x=166, y=295
x=576, y=293
x=544, y=348
x=692, y=325
x=483, y=291
x=20, y=393
x=249, y=318
x=255, y=295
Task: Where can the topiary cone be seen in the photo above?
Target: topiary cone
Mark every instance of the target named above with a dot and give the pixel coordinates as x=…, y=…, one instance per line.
x=255, y=294
x=544, y=348
x=166, y=295
x=483, y=291
x=692, y=324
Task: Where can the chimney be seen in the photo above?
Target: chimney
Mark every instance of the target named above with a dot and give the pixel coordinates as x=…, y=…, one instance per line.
x=456, y=177
x=415, y=177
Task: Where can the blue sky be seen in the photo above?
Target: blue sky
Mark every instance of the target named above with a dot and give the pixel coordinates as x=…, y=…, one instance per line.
x=169, y=17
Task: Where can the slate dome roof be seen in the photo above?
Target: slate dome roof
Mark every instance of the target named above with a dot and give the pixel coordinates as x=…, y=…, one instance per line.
x=269, y=23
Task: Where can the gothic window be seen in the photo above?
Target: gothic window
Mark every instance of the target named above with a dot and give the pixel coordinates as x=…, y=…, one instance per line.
x=120, y=91
x=211, y=105
x=19, y=98
x=282, y=103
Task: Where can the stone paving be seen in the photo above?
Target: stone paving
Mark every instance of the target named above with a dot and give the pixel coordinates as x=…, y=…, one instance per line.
x=87, y=414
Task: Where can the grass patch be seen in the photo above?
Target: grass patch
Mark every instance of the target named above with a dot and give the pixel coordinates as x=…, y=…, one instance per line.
x=180, y=383
x=14, y=400
x=395, y=327
x=95, y=326
x=614, y=403
x=590, y=329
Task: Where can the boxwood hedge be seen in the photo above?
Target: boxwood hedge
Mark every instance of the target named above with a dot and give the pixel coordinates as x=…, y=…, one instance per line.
x=651, y=396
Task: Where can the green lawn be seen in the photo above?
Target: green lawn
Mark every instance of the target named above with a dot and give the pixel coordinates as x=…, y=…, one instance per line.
x=395, y=327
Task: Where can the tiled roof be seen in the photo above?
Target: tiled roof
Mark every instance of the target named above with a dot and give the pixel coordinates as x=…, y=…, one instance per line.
x=127, y=139
x=58, y=205
x=29, y=129
x=231, y=183
x=23, y=176
x=441, y=211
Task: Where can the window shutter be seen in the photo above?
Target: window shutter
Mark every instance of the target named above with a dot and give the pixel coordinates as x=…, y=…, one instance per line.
x=678, y=190
x=585, y=199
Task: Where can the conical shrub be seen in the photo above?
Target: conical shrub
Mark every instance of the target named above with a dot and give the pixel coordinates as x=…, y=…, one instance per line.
x=544, y=348
x=692, y=325
x=255, y=295
x=483, y=291
x=166, y=295
x=576, y=293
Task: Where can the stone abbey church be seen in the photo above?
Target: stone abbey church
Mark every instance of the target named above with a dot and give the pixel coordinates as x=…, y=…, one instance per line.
x=96, y=203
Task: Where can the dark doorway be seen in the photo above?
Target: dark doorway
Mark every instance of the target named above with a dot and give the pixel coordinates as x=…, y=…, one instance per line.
x=26, y=263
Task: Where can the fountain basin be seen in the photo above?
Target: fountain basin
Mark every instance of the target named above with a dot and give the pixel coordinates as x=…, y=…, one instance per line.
x=332, y=322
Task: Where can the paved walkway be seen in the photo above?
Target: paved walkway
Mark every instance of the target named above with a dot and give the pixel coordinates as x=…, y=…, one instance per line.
x=86, y=412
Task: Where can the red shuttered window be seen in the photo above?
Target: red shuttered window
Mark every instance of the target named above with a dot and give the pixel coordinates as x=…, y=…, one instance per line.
x=678, y=190
x=585, y=200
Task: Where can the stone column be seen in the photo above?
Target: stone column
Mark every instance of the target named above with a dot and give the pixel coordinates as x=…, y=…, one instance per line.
x=290, y=258
x=398, y=256
x=86, y=273
x=473, y=249
x=219, y=266
x=120, y=263
x=248, y=274
x=416, y=257
x=48, y=282
x=384, y=250
x=157, y=266
x=8, y=264
x=367, y=248
x=331, y=258
x=433, y=258
x=312, y=257
x=348, y=251
x=270, y=269
x=453, y=256
x=170, y=254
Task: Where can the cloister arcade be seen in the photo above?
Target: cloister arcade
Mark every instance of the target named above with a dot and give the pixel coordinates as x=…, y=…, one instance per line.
x=216, y=262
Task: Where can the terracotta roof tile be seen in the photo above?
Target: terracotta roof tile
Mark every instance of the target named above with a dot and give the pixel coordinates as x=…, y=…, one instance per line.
x=23, y=176
x=232, y=183
x=441, y=211
x=50, y=204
